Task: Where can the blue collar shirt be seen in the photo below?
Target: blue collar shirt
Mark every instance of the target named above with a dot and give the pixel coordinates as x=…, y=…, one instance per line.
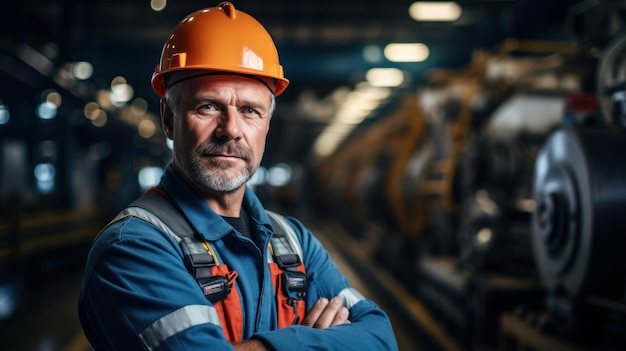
x=136, y=285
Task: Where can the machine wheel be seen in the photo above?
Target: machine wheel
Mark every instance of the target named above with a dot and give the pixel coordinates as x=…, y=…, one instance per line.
x=578, y=225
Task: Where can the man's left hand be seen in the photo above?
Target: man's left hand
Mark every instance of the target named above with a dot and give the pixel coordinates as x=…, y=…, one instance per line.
x=326, y=314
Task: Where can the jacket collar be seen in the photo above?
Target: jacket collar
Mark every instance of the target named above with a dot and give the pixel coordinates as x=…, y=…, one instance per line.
x=203, y=219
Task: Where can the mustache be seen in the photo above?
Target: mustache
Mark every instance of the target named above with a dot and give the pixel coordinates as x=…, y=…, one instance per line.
x=226, y=148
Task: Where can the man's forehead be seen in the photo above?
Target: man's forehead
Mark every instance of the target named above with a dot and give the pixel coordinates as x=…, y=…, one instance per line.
x=177, y=77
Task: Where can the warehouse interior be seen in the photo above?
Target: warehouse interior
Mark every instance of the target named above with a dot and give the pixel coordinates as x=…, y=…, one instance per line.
x=474, y=186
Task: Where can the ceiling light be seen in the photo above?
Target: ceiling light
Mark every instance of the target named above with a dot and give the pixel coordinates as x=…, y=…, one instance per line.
x=98, y=117
x=446, y=11
x=279, y=175
x=45, y=174
x=52, y=97
x=90, y=110
x=149, y=177
x=46, y=110
x=484, y=236
x=158, y=5
x=385, y=77
x=359, y=104
x=406, y=52
x=146, y=128
x=372, y=53
x=4, y=113
x=81, y=70
x=139, y=107
x=120, y=91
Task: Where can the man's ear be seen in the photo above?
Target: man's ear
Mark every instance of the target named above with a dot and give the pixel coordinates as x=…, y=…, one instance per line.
x=167, y=119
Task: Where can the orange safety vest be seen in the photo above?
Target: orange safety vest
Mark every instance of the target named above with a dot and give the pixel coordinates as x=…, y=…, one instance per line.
x=290, y=311
x=215, y=279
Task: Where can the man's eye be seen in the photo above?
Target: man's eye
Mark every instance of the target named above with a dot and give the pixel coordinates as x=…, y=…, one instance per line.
x=207, y=107
x=250, y=111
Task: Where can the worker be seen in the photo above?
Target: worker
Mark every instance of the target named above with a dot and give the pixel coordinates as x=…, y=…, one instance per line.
x=230, y=283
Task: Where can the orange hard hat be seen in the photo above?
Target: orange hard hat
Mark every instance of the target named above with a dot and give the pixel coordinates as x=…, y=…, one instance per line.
x=221, y=39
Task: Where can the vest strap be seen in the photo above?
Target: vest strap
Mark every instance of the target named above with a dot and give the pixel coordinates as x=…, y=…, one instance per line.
x=215, y=279
x=288, y=272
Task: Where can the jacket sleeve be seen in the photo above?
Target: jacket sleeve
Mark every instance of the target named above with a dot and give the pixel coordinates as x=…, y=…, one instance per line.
x=138, y=295
x=370, y=328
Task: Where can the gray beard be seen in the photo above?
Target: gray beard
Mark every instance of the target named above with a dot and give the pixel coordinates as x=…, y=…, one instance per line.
x=216, y=179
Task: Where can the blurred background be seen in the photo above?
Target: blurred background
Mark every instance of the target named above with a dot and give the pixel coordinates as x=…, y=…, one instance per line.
x=464, y=161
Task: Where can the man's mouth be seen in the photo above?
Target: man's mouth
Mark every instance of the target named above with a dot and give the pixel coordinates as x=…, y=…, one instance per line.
x=223, y=152
x=225, y=156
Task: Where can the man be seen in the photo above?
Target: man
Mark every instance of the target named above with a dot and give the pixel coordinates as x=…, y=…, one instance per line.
x=218, y=77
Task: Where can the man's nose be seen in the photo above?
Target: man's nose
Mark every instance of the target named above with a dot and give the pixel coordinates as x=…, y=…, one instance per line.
x=229, y=125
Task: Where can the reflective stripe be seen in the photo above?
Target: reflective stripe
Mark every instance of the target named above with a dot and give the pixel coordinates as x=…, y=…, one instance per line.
x=148, y=217
x=290, y=234
x=176, y=322
x=142, y=214
x=350, y=297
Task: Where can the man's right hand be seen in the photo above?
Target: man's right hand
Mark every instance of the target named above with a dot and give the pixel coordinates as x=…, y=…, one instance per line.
x=326, y=314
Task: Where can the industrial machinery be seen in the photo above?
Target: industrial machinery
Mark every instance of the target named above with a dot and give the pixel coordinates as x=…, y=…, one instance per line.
x=579, y=186
x=514, y=186
x=578, y=234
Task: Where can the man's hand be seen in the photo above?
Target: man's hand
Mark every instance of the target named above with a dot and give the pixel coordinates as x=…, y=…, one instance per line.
x=326, y=314
x=251, y=345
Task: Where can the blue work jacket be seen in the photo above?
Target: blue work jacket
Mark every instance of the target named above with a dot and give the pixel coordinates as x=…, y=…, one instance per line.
x=138, y=295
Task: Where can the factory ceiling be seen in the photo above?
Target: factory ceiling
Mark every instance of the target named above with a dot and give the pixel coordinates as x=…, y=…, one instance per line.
x=326, y=47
